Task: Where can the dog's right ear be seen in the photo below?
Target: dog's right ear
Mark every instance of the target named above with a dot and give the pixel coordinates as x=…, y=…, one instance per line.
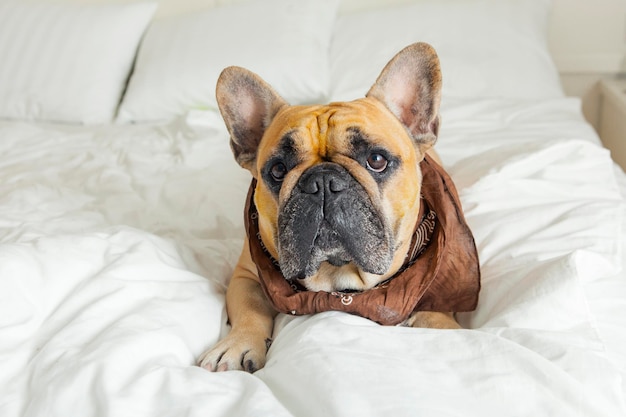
x=248, y=104
x=410, y=87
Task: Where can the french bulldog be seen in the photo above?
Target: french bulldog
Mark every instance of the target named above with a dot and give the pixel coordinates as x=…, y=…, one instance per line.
x=349, y=209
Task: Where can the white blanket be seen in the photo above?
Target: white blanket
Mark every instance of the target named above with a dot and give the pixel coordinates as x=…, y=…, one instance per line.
x=117, y=243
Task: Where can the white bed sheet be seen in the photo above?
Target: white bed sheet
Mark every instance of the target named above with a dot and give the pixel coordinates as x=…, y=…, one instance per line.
x=116, y=246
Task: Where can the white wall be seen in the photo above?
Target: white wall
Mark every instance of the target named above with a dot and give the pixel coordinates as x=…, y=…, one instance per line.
x=589, y=35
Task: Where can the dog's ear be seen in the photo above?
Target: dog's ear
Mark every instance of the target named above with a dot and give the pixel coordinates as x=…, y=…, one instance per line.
x=410, y=86
x=248, y=104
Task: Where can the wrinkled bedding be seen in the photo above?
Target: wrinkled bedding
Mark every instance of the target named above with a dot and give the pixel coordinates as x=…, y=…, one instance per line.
x=117, y=244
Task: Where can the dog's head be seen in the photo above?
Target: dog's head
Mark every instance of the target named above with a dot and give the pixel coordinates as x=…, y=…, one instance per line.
x=338, y=185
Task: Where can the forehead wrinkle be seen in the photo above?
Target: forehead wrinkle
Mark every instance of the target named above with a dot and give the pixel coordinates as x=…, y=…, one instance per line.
x=323, y=130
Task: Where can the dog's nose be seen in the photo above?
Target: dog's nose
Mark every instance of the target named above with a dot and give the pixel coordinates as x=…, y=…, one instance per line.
x=324, y=178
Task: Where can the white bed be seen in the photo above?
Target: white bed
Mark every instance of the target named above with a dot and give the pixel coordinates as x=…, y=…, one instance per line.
x=120, y=225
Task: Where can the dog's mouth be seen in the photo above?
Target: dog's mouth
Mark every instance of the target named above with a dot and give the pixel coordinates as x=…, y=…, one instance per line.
x=329, y=218
x=337, y=261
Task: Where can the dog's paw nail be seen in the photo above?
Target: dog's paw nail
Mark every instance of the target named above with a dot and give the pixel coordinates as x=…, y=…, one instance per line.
x=249, y=366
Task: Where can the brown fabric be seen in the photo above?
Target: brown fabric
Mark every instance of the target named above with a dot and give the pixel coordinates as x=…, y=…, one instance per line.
x=444, y=277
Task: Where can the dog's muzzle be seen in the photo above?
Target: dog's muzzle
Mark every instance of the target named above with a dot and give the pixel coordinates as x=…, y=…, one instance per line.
x=329, y=217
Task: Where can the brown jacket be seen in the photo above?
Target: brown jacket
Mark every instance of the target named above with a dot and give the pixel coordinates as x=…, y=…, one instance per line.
x=442, y=273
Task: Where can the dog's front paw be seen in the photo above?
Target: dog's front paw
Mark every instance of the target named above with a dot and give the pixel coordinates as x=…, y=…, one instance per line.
x=239, y=351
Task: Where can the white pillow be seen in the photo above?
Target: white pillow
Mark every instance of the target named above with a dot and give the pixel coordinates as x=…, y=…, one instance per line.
x=67, y=62
x=284, y=41
x=487, y=48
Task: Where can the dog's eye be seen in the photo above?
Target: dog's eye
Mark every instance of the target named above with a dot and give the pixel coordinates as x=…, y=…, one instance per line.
x=376, y=162
x=278, y=171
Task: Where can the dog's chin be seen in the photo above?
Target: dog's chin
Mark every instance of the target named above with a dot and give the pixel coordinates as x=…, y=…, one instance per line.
x=305, y=265
x=346, y=277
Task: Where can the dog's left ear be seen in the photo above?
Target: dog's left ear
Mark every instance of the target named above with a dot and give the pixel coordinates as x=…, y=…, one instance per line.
x=410, y=87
